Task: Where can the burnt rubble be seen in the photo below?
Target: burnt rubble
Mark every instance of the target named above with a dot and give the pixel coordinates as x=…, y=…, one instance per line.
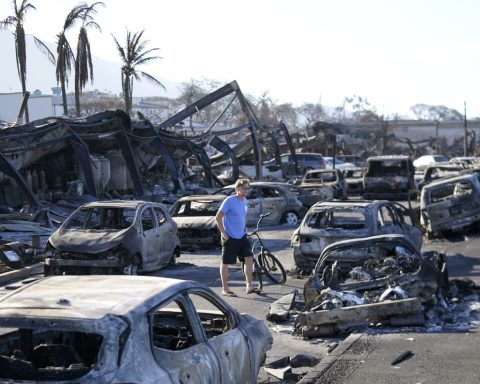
x=456, y=309
x=383, y=281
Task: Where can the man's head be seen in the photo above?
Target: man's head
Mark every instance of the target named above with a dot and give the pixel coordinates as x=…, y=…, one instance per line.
x=242, y=186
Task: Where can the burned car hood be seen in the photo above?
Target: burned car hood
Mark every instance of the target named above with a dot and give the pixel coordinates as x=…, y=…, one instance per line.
x=204, y=222
x=86, y=241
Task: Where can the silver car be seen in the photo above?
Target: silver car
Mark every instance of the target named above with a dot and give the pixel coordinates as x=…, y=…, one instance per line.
x=326, y=178
x=118, y=236
x=278, y=199
x=450, y=204
x=126, y=329
x=195, y=218
x=330, y=221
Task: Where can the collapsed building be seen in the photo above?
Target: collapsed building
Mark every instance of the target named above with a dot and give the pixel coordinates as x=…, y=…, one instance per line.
x=108, y=154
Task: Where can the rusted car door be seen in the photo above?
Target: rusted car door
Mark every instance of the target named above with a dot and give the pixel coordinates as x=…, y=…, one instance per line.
x=451, y=205
x=254, y=206
x=179, y=346
x=389, y=221
x=273, y=202
x=151, y=239
x=409, y=224
x=166, y=231
x=224, y=336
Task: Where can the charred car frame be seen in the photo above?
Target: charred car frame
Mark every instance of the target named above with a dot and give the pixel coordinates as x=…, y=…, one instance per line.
x=142, y=330
x=195, y=218
x=330, y=221
x=118, y=236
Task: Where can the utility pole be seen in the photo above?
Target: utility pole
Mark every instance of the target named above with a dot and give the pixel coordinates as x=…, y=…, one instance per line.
x=465, y=141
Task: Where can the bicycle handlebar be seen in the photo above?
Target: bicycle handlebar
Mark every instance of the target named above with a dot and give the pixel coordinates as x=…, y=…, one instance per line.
x=254, y=232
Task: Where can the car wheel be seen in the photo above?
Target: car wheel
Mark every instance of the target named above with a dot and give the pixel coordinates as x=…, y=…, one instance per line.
x=132, y=269
x=291, y=218
x=173, y=258
x=307, y=169
x=47, y=271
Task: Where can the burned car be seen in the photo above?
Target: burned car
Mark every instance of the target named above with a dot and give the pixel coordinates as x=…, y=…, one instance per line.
x=277, y=199
x=330, y=221
x=195, y=218
x=141, y=330
x=117, y=236
x=450, y=204
x=381, y=278
x=439, y=171
x=326, y=178
x=389, y=177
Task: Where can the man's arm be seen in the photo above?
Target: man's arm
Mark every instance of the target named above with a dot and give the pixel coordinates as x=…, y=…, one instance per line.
x=219, y=220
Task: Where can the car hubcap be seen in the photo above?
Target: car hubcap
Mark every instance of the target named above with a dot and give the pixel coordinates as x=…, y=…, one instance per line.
x=292, y=218
x=130, y=269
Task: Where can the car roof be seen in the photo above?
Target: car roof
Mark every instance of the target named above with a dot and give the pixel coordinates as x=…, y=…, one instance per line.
x=329, y=170
x=261, y=183
x=449, y=180
x=348, y=203
x=214, y=197
x=389, y=157
x=117, y=203
x=88, y=297
x=303, y=153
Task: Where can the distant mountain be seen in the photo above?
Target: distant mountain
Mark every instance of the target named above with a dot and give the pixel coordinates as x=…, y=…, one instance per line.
x=41, y=73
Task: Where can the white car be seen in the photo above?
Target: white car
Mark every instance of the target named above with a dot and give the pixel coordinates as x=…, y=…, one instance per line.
x=421, y=163
x=339, y=164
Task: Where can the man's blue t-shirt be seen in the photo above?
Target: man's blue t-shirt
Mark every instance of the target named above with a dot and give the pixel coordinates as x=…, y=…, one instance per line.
x=235, y=213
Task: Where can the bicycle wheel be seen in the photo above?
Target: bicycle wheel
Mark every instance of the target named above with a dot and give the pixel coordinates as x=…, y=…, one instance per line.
x=256, y=274
x=272, y=267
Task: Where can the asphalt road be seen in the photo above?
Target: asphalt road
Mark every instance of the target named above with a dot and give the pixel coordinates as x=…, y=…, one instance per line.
x=463, y=258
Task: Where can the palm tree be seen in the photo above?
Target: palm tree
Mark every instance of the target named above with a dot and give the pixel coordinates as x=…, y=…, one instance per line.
x=83, y=61
x=134, y=55
x=65, y=56
x=16, y=22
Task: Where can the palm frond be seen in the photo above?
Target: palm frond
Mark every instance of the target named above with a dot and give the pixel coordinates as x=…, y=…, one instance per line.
x=152, y=79
x=44, y=49
x=9, y=21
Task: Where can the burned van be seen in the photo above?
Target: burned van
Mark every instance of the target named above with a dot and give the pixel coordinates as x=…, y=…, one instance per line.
x=450, y=204
x=389, y=177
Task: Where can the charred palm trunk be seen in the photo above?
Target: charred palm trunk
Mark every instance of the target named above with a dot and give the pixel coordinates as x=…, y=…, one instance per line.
x=22, y=65
x=77, y=87
x=127, y=93
x=64, y=95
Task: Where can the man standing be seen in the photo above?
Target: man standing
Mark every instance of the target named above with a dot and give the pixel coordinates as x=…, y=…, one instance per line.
x=231, y=221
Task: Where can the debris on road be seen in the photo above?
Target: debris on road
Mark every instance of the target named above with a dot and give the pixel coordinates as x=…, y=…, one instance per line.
x=282, y=368
x=400, y=359
x=280, y=309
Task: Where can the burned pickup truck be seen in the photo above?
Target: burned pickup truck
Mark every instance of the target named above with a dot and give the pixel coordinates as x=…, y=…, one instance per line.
x=450, y=204
x=389, y=177
x=374, y=279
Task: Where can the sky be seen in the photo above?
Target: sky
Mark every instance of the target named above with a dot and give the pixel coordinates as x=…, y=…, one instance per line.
x=395, y=53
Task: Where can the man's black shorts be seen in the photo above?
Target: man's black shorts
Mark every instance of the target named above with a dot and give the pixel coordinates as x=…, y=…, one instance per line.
x=233, y=248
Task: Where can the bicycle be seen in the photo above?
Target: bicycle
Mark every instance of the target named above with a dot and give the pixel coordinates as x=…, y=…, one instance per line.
x=264, y=262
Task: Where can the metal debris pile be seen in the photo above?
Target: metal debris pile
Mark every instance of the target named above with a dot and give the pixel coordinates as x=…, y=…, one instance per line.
x=380, y=280
x=456, y=309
